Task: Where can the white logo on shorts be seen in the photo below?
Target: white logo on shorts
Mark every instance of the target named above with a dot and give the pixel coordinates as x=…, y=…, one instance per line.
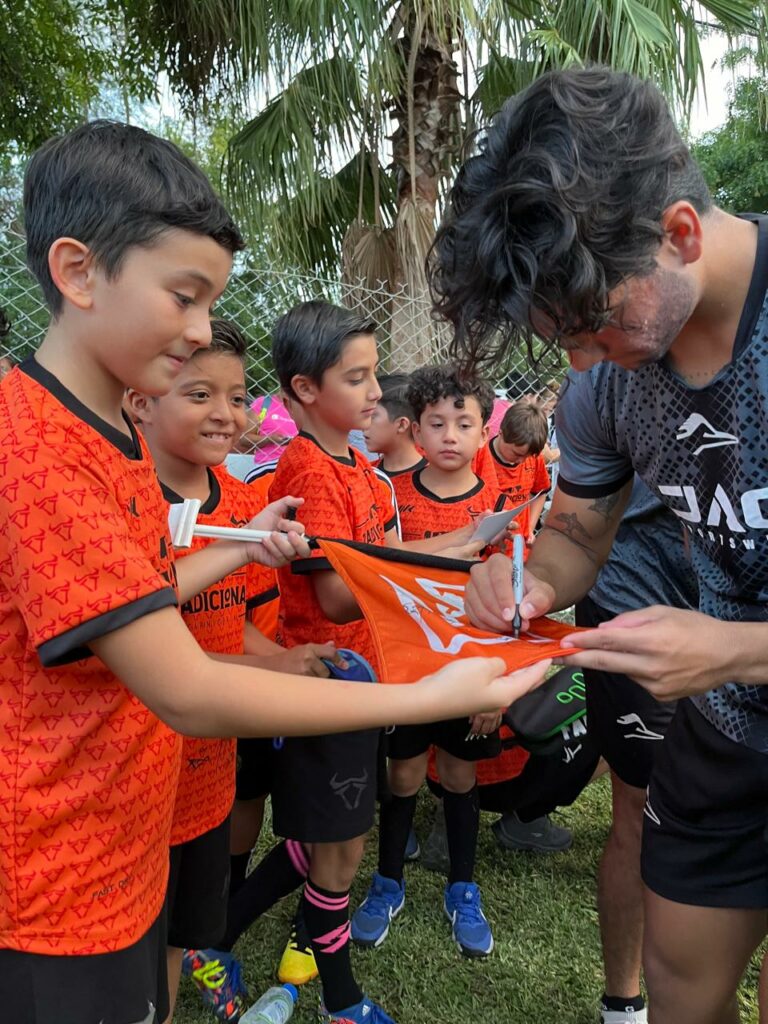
x=649, y=811
x=642, y=732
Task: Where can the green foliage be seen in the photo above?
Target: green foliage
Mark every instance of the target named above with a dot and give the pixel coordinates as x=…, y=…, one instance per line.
x=734, y=158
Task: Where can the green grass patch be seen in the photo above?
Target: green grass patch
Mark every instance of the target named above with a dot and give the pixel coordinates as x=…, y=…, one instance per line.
x=546, y=965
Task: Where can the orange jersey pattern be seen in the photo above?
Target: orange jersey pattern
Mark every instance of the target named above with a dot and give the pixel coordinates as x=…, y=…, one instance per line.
x=424, y=514
x=343, y=498
x=520, y=482
x=216, y=619
x=88, y=772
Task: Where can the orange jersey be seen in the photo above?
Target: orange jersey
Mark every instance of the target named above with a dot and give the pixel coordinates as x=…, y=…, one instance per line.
x=344, y=499
x=264, y=601
x=88, y=772
x=521, y=481
x=216, y=619
x=424, y=514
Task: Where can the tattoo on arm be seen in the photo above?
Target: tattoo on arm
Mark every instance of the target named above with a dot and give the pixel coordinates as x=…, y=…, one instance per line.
x=604, y=506
x=571, y=527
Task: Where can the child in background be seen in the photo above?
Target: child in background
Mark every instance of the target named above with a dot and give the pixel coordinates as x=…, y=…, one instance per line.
x=130, y=266
x=520, y=468
x=450, y=416
x=390, y=432
x=189, y=432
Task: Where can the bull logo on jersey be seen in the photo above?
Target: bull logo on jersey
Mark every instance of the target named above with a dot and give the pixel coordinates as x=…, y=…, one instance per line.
x=704, y=433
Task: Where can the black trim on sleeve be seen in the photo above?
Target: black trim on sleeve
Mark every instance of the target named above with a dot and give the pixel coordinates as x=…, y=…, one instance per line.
x=73, y=645
x=391, y=524
x=593, y=490
x=129, y=445
x=259, y=599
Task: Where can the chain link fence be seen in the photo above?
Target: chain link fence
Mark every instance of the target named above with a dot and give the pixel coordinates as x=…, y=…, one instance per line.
x=255, y=297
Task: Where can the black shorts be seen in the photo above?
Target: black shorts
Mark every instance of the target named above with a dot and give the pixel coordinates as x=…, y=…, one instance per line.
x=255, y=768
x=126, y=987
x=198, y=889
x=627, y=723
x=705, y=832
x=450, y=735
x=325, y=787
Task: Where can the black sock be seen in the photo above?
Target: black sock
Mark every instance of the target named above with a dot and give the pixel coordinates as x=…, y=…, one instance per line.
x=395, y=820
x=282, y=870
x=326, y=915
x=619, y=1003
x=462, y=821
x=238, y=866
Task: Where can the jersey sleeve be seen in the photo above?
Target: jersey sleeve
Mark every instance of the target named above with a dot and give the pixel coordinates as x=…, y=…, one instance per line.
x=590, y=466
x=325, y=512
x=74, y=560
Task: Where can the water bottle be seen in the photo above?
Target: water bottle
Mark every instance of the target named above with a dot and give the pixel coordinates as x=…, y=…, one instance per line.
x=274, y=1007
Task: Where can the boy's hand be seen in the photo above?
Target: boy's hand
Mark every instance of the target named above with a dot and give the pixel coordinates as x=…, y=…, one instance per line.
x=287, y=540
x=486, y=723
x=305, y=660
x=473, y=685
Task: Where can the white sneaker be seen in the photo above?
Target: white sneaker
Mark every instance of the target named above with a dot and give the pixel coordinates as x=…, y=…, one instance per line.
x=626, y=1016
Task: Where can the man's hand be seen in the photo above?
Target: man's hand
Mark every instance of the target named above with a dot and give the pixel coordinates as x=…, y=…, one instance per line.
x=489, y=599
x=287, y=539
x=670, y=652
x=486, y=723
x=304, y=660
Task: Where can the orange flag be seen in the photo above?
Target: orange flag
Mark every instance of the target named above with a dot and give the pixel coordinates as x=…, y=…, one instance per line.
x=414, y=606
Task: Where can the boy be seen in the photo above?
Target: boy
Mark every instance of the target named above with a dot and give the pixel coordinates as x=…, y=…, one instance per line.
x=131, y=248
x=519, y=465
x=450, y=417
x=189, y=432
x=390, y=432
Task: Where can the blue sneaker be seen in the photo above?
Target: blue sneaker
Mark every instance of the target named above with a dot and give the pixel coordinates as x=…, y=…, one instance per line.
x=364, y=1012
x=464, y=909
x=218, y=979
x=412, y=848
x=385, y=900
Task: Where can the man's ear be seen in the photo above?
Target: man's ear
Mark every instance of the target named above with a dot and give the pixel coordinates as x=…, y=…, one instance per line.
x=683, y=231
x=304, y=388
x=72, y=270
x=139, y=406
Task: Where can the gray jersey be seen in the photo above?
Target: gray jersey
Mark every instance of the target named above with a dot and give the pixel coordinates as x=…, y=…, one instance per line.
x=703, y=452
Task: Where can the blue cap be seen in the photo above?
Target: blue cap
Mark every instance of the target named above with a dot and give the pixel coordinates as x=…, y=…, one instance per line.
x=292, y=991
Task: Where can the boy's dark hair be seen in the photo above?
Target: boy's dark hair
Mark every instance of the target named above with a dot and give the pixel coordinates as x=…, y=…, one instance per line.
x=525, y=423
x=394, y=395
x=429, y=384
x=113, y=186
x=308, y=340
x=562, y=203
x=226, y=337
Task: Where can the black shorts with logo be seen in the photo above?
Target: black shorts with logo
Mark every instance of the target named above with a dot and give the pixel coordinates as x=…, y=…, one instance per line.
x=325, y=787
x=198, y=890
x=705, y=833
x=625, y=721
x=451, y=735
x=255, y=768
x=129, y=986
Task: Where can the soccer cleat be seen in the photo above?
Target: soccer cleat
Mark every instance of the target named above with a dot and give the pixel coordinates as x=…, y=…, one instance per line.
x=371, y=920
x=629, y=1015
x=463, y=908
x=364, y=1012
x=218, y=978
x=297, y=964
x=540, y=835
x=412, y=848
x=434, y=855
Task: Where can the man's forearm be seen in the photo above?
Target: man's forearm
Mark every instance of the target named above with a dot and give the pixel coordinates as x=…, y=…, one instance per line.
x=566, y=566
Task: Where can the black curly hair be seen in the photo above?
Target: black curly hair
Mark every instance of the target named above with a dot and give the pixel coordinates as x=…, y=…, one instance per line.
x=561, y=204
x=429, y=384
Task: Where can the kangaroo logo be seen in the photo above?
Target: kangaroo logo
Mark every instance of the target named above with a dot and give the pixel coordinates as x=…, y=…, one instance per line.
x=649, y=811
x=350, y=790
x=708, y=436
x=642, y=732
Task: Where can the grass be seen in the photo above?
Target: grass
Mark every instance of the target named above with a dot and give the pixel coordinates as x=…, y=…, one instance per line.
x=546, y=966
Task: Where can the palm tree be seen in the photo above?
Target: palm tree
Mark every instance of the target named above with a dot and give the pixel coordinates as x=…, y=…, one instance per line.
x=364, y=106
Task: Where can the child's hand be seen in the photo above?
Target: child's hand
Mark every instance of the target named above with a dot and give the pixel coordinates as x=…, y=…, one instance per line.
x=485, y=723
x=469, y=686
x=305, y=660
x=287, y=540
